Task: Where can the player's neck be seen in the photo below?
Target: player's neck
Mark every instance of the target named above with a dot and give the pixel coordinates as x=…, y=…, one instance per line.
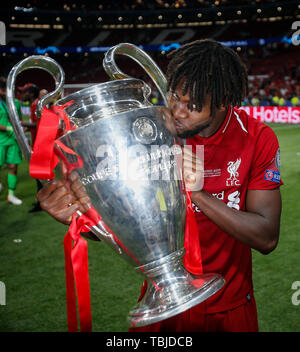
x=217, y=122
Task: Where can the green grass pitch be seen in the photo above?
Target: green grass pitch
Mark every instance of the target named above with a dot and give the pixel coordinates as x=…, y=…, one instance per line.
x=32, y=263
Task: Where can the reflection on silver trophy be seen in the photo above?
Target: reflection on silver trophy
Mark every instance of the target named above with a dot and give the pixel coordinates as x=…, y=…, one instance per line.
x=129, y=166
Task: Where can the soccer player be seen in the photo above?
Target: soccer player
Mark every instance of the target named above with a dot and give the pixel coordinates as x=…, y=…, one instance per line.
x=32, y=93
x=239, y=206
x=10, y=153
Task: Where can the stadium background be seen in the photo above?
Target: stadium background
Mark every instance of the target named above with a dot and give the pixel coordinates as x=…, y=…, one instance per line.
x=76, y=34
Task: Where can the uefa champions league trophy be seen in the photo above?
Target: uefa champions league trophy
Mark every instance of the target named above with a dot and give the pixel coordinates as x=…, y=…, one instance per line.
x=129, y=168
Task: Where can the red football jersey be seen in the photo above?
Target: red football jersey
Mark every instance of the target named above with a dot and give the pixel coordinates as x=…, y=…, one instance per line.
x=242, y=155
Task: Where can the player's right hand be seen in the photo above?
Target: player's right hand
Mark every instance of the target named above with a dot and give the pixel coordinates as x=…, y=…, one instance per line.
x=62, y=198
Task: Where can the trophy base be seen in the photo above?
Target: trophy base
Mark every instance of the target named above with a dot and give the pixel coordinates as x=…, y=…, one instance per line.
x=172, y=290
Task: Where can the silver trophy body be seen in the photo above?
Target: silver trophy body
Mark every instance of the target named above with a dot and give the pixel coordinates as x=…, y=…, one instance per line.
x=129, y=168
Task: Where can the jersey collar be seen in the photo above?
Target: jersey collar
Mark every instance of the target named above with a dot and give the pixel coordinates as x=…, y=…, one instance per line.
x=218, y=135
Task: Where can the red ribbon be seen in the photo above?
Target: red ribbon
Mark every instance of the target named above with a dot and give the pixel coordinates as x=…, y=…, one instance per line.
x=76, y=268
x=60, y=110
x=42, y=163
x=192, y=259
x=70, y=166
x=43, y=159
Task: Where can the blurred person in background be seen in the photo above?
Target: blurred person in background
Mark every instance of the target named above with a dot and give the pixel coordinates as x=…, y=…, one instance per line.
x=295, y=100
x=10, y=153
x=31, y=93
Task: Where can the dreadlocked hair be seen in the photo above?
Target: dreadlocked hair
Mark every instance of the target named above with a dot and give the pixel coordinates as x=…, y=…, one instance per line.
x=208, y=67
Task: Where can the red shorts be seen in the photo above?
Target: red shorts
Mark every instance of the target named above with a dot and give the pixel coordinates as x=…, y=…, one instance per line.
x=240, y=319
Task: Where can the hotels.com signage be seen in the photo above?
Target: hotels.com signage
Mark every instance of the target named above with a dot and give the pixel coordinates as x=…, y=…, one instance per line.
x=274, y=113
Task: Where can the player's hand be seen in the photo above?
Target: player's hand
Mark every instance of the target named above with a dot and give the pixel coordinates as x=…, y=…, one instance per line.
x=62, y=198
x=193, y=169
x=79, y=190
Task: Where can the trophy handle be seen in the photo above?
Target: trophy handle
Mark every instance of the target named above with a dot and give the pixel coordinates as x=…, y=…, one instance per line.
x=140, y=57
x=35, y=61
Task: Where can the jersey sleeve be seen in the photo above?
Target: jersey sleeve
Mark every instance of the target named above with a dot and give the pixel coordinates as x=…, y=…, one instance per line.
x=265, y=167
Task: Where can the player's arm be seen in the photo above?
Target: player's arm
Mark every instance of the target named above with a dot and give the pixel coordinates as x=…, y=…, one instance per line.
x=258, y=226
x=8, y=129
x=29, y=124
x=58, y=200
x=62, y=198
x=4, y=128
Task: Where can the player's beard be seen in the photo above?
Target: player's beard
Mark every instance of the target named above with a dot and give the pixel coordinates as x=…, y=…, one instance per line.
x=193, y=132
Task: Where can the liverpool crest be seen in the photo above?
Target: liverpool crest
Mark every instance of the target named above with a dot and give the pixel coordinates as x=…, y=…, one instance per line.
x=232, y=169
